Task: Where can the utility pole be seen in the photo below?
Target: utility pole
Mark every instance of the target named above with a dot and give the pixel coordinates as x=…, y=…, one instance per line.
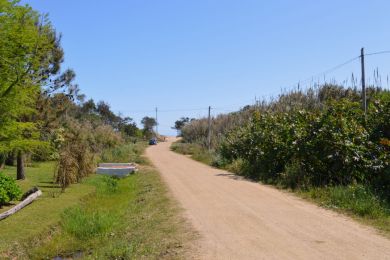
x=156, y=122
x=364, y=99
x=209, y=131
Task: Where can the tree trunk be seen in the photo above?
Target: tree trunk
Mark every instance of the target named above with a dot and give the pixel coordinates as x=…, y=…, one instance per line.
x=20, y=166
x=10, y=161
x=2, y=161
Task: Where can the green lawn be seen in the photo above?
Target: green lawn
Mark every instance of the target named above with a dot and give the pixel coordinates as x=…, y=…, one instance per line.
x=98, y=219
x=39, y=218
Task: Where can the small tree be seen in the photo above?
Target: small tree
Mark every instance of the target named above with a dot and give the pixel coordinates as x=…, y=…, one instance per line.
x=179, y=124
x=149, y=123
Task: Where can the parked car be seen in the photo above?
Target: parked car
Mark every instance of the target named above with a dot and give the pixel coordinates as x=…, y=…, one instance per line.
x=153, y=141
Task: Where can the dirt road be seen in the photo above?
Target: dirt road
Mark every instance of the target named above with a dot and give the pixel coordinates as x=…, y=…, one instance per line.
x=238, y=219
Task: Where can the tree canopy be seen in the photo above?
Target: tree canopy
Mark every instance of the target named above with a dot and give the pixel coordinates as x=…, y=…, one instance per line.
x=42, y=111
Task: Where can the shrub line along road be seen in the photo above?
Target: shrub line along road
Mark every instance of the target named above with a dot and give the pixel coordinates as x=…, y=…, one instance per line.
x=238, y=219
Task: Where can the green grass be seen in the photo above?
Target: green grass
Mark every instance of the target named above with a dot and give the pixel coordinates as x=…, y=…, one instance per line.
x=39, y=219
x=196, y=152
x=356, y=201
x=100, y=218
x=137, y=220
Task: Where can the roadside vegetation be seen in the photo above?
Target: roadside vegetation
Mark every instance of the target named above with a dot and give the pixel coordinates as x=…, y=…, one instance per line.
x=317, y=142
x=125, y=219
x=38, y=220
x=100, y=217
x=195, y=151
x=52, y=137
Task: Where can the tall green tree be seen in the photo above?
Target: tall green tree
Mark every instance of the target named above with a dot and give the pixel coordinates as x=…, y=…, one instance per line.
x=30, y=54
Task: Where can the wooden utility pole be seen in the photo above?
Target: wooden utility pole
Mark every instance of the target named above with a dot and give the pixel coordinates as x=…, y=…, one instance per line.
x=364, y=99
x=156, y=123
x=209, y=130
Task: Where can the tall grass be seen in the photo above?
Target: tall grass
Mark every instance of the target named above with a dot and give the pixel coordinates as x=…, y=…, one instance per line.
x=84, y=224
x=356, y=199
x=196, y=151
x=125, y=153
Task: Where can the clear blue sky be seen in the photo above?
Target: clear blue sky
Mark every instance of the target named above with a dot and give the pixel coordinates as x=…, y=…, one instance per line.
x=179, y=55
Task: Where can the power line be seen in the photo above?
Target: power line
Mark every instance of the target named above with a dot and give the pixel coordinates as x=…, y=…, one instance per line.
x=377, y=53
x=342, y=65
x=183, y=110
x=330, y=70
x=225, y=108
x=164, y=110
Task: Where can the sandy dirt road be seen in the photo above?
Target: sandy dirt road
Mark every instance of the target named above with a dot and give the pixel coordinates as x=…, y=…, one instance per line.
x=238, y=219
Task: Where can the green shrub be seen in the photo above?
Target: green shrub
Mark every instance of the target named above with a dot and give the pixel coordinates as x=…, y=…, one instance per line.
x=331, y=146
x=9, y=190
x=294, y=176
x=336, y=149
x=315, y=138
x=237, y=166
x=79, y=148
x=379, y=125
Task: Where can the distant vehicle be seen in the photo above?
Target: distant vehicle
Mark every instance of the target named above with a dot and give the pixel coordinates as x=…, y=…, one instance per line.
x=153, y=141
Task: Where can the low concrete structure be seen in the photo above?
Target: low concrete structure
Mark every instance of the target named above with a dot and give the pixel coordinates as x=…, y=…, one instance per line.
x=116, y=169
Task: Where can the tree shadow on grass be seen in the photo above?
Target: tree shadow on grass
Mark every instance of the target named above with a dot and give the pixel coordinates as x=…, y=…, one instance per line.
x=48, y=185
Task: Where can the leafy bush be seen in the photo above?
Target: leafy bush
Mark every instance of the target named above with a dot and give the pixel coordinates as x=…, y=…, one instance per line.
x=331, y=146
x=9, y=190
x=337, y=149
x=304, y=139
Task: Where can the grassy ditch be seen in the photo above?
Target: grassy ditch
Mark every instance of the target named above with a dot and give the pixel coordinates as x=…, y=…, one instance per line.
x=28, y=225
x=129, y=218
x=355, y=200
x=99, y=218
